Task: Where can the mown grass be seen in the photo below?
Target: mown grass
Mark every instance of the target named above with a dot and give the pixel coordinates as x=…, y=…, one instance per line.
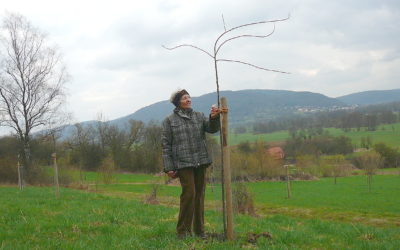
x=33, y=219
x=389, y=134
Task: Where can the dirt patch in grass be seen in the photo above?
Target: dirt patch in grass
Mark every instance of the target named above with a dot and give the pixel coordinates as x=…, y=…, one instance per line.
x=375, y=220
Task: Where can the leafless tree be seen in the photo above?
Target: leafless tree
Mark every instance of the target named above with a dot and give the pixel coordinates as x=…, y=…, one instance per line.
x=102, y=127
x=81, y=141
x=222, y=40
x=31, y=80
x=135, y=132
x=54, y=128
x=370, y=162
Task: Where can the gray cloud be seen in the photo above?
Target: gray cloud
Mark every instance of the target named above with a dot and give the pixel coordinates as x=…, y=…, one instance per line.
x=115, y=56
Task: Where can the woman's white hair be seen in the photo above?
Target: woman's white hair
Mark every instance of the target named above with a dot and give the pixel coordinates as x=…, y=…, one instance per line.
x=172, y=98
x=177, y=92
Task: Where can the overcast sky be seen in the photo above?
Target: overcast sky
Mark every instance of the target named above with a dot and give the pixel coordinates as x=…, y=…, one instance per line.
x=112, y=49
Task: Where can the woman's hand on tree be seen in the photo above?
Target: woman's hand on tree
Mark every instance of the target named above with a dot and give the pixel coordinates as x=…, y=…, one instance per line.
x=215, y=111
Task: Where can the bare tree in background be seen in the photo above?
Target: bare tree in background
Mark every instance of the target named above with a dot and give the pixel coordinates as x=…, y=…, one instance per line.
x=370, y=162
x=31, y=80
x=54, y=128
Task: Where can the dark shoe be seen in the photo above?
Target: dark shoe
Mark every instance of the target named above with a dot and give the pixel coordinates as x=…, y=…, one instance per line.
x=202, y=236
x=183, y=236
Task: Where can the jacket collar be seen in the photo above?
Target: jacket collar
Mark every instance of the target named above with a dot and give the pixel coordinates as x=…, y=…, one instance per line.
x=184, y=113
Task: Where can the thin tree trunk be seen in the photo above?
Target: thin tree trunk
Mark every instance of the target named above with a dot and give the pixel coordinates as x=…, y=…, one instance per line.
x=289, y=192
x=56, y=176
x=26, y=159
x=369, y=183
x=222, y=151
x=20, y=183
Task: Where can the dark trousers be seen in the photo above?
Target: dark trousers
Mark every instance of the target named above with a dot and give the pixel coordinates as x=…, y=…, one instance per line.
x=191, y=210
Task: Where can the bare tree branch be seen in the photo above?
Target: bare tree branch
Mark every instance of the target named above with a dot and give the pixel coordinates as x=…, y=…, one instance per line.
x=252, y=65
x=246, y=25
x=240, y=36
x=223, y=20
x=218, y=47
x=188, y=45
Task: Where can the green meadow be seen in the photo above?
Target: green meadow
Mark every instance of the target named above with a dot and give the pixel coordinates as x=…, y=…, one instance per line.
x=93, y=177
x=319, y=215
x=389, y=134
x=350, y=193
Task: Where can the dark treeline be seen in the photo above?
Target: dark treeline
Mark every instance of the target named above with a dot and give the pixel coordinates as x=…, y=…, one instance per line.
x=318, y=145
x=134, y=148
x=368, y=117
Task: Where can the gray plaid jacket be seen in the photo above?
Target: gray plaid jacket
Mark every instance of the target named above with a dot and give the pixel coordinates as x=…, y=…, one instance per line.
x=184, y=141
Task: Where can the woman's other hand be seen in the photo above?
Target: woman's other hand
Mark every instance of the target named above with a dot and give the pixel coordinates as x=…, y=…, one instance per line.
x=172, y=174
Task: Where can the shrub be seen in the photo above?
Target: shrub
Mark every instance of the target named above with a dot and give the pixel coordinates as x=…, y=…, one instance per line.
x=334, y=166
x=307, y=165
x=8, y=170
x=369, y=162
x=107, y=170
x=390, y=155
x=243, y=200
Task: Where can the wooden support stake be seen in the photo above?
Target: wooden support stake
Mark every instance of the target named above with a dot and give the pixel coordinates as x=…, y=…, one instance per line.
x=19, y=176
x=288, y=182
x=56, y=175
x=227, y=172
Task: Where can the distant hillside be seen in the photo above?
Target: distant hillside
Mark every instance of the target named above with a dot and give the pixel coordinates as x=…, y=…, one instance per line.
x=244, y=105
x=371, y=97
x=247, y=106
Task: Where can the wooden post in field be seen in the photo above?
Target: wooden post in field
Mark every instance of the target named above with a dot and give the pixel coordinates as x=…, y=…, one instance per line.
x=56, y=175
x=227, y=172
x=288, y=181
x=19, y=175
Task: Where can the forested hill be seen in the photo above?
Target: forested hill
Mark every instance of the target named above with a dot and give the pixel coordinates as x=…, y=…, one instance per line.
x=250, y=106
x=371, y=97
x=244, y=105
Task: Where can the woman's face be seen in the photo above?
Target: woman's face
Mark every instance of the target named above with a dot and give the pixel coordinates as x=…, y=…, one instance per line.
x=185, y=102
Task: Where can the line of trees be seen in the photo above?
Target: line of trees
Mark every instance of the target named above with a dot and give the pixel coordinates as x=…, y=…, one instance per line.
x=313, y=143
x=102, y=147
x=364, y=117
x=134, y=148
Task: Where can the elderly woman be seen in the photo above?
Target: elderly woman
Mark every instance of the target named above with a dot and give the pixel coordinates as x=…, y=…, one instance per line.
x=185, y=156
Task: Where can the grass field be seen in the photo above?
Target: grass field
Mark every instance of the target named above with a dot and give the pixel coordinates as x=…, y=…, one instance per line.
x=33, y=219
x=389, y=134
x=279, y=136
x=92, y=177
x=349, y=194
x=349, y=200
